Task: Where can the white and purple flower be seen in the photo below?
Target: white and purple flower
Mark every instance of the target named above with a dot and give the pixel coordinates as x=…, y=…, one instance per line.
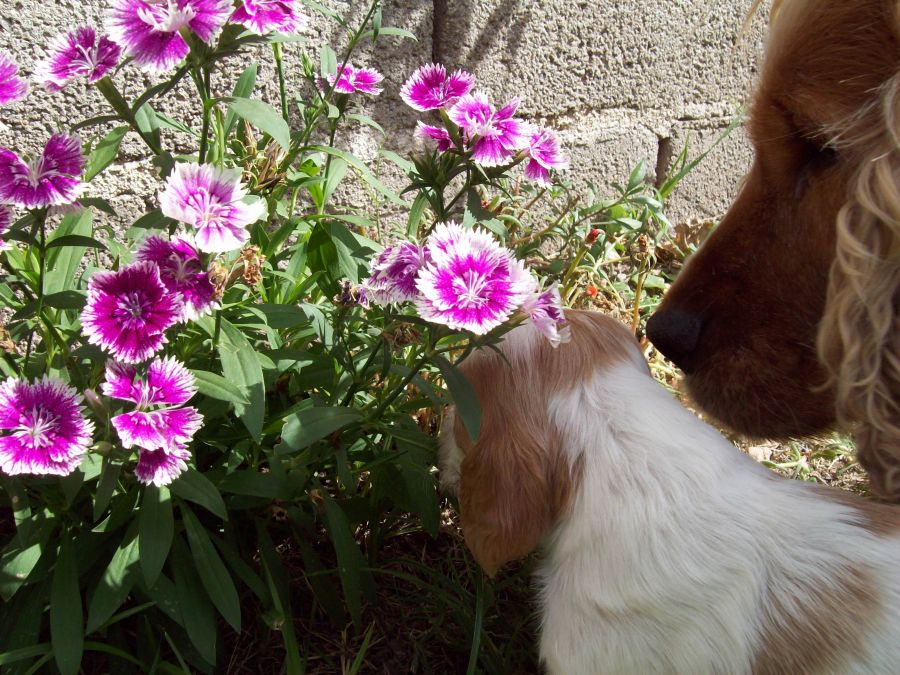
x=365, y=80
x=544, y=155
x=52, y=179
x=128, y=312
x=181, y=272
x=471, y=282
x=149, y=30
x=7, y=215
x=78, y=53
x=264, y=16
x=47, y=432
x=209, y=199
x=430, y=88
x=545, y=310
x=12, y=87
x=394, y=274
x=495, y=135
x=439, y=134
x=160, y=431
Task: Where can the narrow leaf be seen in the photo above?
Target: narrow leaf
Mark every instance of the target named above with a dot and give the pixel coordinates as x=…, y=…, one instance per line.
x=264, y=117
x=157, y=526
x=116, y=582
x=66, y=618
x=304, y=428
x=105, y=153
x=195, y=487
x=463, y=396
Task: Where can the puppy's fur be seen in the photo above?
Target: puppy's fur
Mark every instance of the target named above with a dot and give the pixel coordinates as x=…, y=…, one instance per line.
x=665, y=549
x=788, y=317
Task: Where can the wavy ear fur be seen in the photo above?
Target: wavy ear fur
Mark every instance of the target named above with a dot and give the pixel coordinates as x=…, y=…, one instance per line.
x=859, y=337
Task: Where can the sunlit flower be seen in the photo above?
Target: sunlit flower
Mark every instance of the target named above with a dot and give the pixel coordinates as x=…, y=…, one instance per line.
x=394, y=274
x=263, y=16
x=6, y=219
x=430, y=88
x=544, y=154
x=149, y=30
x=546, y=312
x=78, y=53
x=127, y=312
x=168, y=429
x=439, y=134
x=51, y=179
x=158, y=467
x=46, y=431
x=181, y=272
x=470, y=282
x=354, y=79
x=167, y=382
x=12, y=87
x=495, y=134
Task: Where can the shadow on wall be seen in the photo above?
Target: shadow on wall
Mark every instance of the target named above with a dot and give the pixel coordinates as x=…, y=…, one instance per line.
x=443, y=52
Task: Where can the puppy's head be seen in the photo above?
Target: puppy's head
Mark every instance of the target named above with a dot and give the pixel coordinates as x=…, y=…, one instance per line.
x=517, y=479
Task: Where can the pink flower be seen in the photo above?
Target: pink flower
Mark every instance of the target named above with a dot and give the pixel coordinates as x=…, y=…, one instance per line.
x=148, y=30
x=544, y=154
x=263, y=16
x=209, y=199
x=394, y=274
x=495, y=135
x=439, y=134
x=429, y=88
x=471, y=282
x=128, y=311
x=158, y=467
x=49, y=180
x=12, y=87
x=168, y=429
x=354, y=79
x=545, y=310
x=181, y=272
x=48, y=433
x=167, y=382
x=77, y=54
x=6, y=219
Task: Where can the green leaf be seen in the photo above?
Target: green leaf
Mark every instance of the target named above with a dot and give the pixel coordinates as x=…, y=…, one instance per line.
x=327, y=61
x=420, y=203
x=244, y=86
x=217, y=387
x=116, y=582
x=277, y=580
x=240, y=366
x=212, y=571
x=349, y=558
x=16, y=564
x=195, y=487
x=364, y=172
x=264, y=117
x=463, y=395
x=75, y=240
x=105, y=153
x=109, y=476
x=196, y=611
x=304, y=428
x=63, y=263
x=146, y=121
x=157, y=527
x=66, y=618
x=65, y=300
x=282, y=316
x=256, y=484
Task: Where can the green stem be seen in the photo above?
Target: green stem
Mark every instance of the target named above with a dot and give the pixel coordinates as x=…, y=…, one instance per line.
x=279, y=68
x=201, y=79
x=115, y=99
x=413, y=371
x=354, y=387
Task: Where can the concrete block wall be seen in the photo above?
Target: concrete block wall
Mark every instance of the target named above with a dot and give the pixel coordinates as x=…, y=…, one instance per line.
x=620, y=79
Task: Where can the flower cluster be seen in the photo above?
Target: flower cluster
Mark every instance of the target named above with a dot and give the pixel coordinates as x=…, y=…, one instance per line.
x=462, y=278
x=158, y=427
x=79, y=53
x=490, y=136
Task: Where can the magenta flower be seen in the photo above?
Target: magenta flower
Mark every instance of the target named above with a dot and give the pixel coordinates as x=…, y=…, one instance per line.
x=439, y=134
x=354, y=79
x=48, y=433
x=168, y=429
x=167, y=382
x=544, y=154
x=6, y=219
x=149, y=30
x=429, y=88
x=78, y=53
x=471, y=282
x=263, y=16
x=158, y=467
x=128, y=311
x=181, y=272
x=394, y=274
x=545, y=310
x=49, y=180
x=495, y=135
x=209, y=198
x=12, y=87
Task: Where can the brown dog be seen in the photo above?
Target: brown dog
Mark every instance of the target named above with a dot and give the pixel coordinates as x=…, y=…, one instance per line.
x=786, y=320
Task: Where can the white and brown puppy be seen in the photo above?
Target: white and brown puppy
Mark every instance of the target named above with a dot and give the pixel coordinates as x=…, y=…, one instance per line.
x=664, y=548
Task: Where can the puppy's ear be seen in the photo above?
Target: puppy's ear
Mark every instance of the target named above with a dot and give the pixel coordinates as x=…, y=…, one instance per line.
x=513, y=485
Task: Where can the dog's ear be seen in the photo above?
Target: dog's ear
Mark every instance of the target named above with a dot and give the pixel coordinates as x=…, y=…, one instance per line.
x=513, y=482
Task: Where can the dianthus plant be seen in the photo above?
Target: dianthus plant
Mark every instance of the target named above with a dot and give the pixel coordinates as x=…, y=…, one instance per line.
x=248, y=345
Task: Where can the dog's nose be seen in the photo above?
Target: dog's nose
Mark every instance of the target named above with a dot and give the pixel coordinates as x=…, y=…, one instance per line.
x=676, y=334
